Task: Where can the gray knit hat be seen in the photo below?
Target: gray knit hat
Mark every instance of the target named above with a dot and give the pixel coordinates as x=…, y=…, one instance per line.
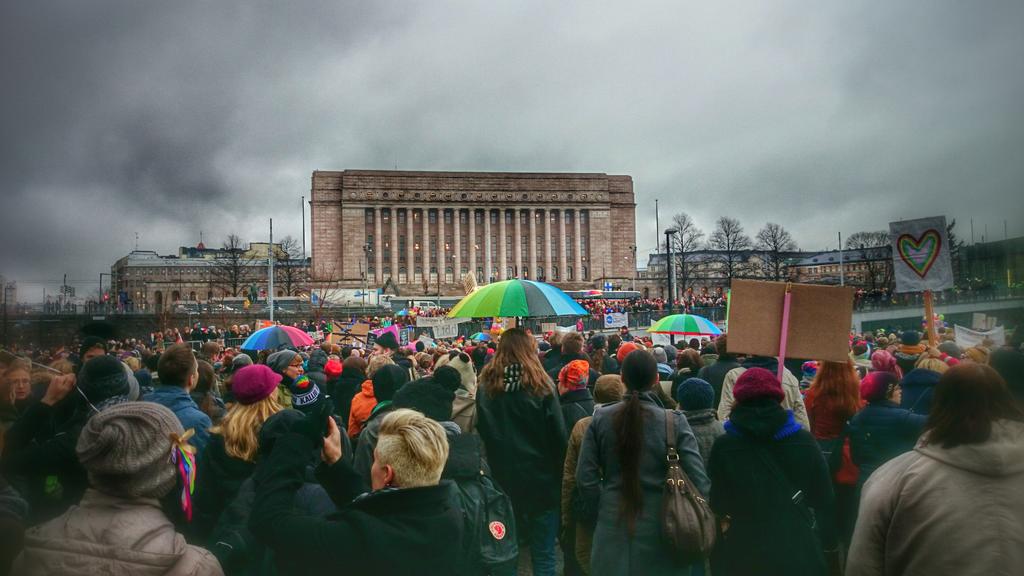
x=126, y=449
x=279, y=361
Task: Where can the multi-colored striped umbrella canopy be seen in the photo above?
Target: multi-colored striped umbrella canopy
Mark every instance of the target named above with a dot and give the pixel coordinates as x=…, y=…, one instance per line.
x=480, y=337
x=685, y=325
x=516, y=298
x=275, y=336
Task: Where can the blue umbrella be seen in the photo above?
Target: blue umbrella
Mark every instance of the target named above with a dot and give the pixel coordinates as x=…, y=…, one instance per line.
x=274, y=337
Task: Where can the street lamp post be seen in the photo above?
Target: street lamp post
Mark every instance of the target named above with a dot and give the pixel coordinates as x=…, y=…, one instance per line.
x=668, y=267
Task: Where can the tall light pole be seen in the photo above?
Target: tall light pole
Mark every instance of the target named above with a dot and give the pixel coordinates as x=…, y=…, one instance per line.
x=668, y=267
x=270, y=275
x=633, y=284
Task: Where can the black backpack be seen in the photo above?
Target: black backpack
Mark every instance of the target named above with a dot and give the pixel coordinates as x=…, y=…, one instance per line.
x=490, y=530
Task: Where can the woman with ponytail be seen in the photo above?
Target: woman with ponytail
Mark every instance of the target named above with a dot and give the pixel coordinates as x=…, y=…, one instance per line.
x=621, y=475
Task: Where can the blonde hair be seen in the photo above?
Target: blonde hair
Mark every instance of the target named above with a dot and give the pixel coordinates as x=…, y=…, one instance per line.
x=133, y=363
x=64, y=366
x=415, y=447
x=930, y=360
x=376, y=363
x=241, y=425
x=977, y=354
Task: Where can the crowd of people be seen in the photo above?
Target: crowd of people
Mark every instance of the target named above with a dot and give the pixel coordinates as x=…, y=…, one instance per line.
x=562, y=452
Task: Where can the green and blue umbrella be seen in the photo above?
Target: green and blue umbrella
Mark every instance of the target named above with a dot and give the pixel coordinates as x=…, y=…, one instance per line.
x=685, y=325
x=516, y=298
x=480, y=337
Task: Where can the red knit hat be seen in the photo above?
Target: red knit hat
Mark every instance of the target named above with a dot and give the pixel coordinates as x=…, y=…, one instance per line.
x=574, y=375
x=624, y=349
x=757, y=383
x=333, y=369
x=253, y=383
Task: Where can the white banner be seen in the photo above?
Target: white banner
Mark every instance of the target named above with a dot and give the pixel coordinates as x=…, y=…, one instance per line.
x=920, y=255
x=431, y=321
x=449, y=330
x=616, y=320
x=966, y=338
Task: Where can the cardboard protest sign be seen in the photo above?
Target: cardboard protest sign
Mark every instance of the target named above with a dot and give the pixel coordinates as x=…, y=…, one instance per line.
x=819, y=320
x=920, y=255
x=446, y=330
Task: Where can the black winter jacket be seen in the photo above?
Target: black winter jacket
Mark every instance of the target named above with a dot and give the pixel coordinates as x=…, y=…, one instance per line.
x=576, y=405
x=218, y=480
x=408, y=531
x=343, y=390
x=880, y=432
x=526, y=439
x=769, y=531
x=715, y=375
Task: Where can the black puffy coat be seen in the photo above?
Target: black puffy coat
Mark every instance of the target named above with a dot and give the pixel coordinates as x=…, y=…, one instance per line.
x=315, y=368
x=218, y=480
x=576, y=405
x=408, y=531
x=526, y=439
x=880, y=432
x=769, y=532
x=344, y=389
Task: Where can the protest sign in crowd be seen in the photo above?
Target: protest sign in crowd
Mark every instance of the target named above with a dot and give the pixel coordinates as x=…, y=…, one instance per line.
x=449, y=456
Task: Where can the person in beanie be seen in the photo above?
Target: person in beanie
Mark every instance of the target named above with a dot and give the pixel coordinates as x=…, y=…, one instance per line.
x=909, y=351
x=918, y=386
x=882, y=430
x=315, y=368
x=464, y=405
x=287, y=363
x=574, y=397
x=130, y=452
x=793, y=400
x=575, y=533
x=353, y=373
x=386, y=382
x=39, y=449
x=230, y=456
x=621, y=476
x=696, y=399
x=953, y=504
x=409, y=524
x=769, y=524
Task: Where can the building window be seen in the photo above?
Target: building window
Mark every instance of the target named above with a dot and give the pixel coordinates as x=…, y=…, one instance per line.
x=447, y=217
x=586, y=274
x=369, y=216
x=540, y=273
x=568, y=273
x=554, y=273
x=432, y=216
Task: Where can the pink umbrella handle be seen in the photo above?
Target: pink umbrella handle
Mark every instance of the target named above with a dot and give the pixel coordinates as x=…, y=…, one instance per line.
x=784, y=334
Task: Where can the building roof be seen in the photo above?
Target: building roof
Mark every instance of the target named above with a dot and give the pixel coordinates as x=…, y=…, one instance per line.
x=849, y=256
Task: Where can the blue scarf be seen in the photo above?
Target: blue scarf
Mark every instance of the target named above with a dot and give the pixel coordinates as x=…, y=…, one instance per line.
x=788, y=429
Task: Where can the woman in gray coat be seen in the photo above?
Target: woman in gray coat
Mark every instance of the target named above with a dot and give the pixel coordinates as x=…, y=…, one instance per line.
x=620, y=477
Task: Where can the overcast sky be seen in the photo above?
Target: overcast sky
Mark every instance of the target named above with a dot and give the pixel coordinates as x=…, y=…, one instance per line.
x=171, y=118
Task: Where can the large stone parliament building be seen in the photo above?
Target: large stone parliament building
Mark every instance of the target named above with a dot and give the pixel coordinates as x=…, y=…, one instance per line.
x=420, y=232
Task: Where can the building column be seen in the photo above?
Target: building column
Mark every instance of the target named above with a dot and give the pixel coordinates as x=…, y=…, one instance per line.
x=440, y=247
x=531, y=247
x=472, y=241
x=547, y=245
x=426, y=244
x=378, y=248
x=562, y=260
x=517, y=248
x=577, y=251
x=502, y=245
x=457, y=244
x=487, y=246
x=410, y=258
x=393, y=214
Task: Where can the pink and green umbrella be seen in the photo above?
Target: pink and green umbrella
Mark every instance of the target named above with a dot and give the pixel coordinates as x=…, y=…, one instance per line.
x=685, y=325
x=516, y=298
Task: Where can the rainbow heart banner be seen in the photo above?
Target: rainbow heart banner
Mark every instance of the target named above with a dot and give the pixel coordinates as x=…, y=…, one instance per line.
x=920, y=255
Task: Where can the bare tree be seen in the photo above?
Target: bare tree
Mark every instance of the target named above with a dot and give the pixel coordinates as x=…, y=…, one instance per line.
x=289, y=266
x=773, y=241
x=729, y=244
x=327, y=280
x=232, y=267
x=955, y=244
x=872, y=248
x=685, y=243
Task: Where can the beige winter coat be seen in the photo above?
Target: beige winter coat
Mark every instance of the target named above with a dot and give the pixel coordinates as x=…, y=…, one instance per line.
x=790, y=386
x=936, y=511
x=106, y=535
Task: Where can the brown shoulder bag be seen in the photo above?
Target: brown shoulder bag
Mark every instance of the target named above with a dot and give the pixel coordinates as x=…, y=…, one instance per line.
x=688, y=524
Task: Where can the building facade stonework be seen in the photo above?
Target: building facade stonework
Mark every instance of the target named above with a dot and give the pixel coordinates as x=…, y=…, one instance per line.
x=421, y=232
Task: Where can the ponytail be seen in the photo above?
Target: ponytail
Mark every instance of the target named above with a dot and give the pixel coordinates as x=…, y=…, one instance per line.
x=639, y=372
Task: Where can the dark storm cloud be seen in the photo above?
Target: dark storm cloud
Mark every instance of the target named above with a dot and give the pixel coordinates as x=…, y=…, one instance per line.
x=172, y=118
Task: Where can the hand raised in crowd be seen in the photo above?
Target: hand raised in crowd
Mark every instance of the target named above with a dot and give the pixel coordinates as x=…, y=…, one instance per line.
x=58, y=389
x=331, y=451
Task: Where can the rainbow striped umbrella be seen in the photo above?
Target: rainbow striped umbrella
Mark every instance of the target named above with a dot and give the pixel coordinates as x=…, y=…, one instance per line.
x=685, y=325
x=273, y=337
x=516, y=298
